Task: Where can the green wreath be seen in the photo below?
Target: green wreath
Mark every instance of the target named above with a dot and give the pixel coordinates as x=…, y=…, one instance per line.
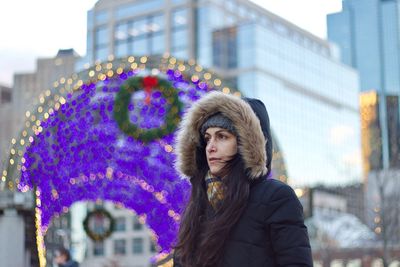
x=99, y=234
x=122, y=100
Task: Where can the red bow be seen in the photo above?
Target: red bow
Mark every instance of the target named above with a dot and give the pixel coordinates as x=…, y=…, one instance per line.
x=148, y=83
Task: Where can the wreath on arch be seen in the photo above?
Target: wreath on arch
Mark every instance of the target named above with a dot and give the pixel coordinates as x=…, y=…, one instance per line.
x=122, y=100
x=98, y=224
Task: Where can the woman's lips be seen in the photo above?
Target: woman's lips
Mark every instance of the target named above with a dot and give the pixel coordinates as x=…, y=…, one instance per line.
x=214, y=160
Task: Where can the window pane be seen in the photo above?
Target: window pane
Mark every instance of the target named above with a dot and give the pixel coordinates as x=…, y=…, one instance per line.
x=119, y=247
x=181, y=54
x=137, y=244
x=101, y=16
x=152, y=246
x=101, y=35
x=98, y=248
x=140, y=27
x=101, y=53
x=137, y=8
x=157, y=23
x=140, y=46
x=121, y=49
x=136, y=224
x=120, y=224
x=158, y=44
x=121, y=32
x=5, y=96
x=179, y=18
x=180, y=38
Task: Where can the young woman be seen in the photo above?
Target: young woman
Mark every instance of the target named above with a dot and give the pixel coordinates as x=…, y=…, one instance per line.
x=236, y=215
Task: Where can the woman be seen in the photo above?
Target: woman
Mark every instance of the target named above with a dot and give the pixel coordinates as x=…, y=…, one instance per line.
x=235, y=215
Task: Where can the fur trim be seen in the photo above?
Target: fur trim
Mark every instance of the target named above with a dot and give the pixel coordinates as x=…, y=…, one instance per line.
x=251, y=139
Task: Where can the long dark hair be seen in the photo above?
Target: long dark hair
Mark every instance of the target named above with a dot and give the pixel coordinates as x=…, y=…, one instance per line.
x=204, y=231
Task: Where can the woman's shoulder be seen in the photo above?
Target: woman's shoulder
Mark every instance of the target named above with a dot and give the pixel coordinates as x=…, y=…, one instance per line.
x=267, y=190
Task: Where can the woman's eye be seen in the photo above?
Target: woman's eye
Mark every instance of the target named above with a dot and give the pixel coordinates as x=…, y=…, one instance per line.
x=222, y=136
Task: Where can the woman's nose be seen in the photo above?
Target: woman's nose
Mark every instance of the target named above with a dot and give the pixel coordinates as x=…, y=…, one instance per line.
x=211, y=146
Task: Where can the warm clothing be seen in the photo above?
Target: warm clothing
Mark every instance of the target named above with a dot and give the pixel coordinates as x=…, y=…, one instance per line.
x=215, y=192
x=271, y=230
x=218, y=120
x=259, y=109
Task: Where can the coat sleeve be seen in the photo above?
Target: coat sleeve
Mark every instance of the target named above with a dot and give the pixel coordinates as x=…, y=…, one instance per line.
x=287, y=232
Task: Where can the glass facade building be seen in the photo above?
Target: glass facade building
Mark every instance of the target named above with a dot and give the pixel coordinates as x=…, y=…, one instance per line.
x=311, y=97
x=367, y=33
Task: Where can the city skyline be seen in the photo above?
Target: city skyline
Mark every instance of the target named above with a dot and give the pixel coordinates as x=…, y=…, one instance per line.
x=17, y=55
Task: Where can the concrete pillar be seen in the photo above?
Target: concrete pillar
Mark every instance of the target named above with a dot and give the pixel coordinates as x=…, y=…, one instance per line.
x=12, y=241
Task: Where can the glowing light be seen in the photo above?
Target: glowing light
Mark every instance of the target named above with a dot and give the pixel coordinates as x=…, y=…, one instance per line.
x=172, y=60
x=181, y=67
x=217, y=82
x=143, y=60
x=110, y=73
x=198, y=68
x=131, y=59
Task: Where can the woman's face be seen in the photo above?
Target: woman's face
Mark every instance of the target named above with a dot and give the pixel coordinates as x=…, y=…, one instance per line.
x=221, y=146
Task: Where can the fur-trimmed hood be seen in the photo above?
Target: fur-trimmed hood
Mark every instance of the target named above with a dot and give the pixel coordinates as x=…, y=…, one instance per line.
x=252, y=143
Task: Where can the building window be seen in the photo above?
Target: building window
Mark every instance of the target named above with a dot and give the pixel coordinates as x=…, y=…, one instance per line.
x=180, y=33
x=120, y=246
x=98, y=248
x=101, y=43
x=136, y=224
x=5, y=96
x=152, y=247
x=120, y=224
x=137, y=245
x=140, y=36
x=102, y=16
x=225, y=48
x=138, y=7
x=101, y=35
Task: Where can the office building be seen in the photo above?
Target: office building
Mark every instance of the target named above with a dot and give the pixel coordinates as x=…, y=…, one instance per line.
x=367, y=33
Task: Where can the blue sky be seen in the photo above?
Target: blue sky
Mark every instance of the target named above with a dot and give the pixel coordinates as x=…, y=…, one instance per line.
x=32, y=29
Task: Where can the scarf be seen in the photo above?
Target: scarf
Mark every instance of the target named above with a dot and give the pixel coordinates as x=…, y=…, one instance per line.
x=215, y=191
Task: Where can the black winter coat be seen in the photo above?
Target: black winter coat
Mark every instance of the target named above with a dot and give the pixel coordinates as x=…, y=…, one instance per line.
x=271, y=231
